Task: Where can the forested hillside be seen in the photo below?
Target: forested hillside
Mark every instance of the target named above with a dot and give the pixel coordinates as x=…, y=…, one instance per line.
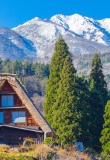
x=82, y=64
x=75, y=88
x=34, y=75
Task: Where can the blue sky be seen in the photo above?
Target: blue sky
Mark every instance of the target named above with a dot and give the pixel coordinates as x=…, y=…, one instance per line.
x=15, y=12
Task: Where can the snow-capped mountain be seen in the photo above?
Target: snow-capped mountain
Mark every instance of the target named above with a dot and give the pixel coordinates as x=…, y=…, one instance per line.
x=83, y=35
x=14, y=46
x=94, y=30
x=105, y=23
x=36, y=38
x=43, y=33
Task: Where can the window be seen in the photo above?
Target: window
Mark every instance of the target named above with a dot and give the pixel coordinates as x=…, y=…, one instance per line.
x=18, y=117
x=1, y=117
x=7, y=101
x=31, y=122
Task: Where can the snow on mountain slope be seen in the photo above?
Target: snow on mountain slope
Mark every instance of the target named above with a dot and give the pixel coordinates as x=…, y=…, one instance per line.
x=88, y=28
x=36, y=38
x=14, y=46
x=44, y=33
x=105, y=23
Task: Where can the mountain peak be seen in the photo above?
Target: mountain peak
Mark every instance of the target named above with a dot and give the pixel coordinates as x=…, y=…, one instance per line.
x=32, y=21
x=65, y=17
x=77, y=30
x=76, y=15
x=88, y=28
x=36, y=38
x=35, y=19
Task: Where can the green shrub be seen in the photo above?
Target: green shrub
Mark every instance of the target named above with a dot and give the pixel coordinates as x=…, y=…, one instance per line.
x=48, y=141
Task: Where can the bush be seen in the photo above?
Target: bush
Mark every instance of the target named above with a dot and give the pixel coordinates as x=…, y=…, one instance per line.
x=49, y=141
x=28, y=141
x=49, y=155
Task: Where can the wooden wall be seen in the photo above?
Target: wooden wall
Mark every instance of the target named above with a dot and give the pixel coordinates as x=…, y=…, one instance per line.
x=13, y=136
x=8, y=117
x=8, y=90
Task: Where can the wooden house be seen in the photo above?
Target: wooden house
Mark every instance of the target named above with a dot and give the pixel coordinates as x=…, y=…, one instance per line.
x=19, y=118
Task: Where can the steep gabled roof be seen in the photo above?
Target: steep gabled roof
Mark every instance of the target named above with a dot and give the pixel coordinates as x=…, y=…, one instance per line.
x=20, y=91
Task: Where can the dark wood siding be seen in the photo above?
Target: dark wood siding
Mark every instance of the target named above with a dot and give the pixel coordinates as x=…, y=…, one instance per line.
x=17, y=101
x=7, y=116
x=8, y=90
x=13, y=136
x=18, y=106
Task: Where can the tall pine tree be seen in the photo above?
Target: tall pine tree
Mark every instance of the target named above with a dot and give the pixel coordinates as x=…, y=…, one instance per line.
x=70, y=109
x=95, y=117
x=97, y=102
x=96, y=75
x=65, y=117
x=83, y=109
x=105, y=138
x=60, y=53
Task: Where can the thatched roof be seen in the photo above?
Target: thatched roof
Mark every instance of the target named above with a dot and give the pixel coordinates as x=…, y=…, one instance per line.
x=20, y=91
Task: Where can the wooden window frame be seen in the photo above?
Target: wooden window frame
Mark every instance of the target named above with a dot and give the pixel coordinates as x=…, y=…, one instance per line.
x=7, y=105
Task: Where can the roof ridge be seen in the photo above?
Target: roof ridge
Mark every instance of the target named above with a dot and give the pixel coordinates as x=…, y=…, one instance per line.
x=7, y=74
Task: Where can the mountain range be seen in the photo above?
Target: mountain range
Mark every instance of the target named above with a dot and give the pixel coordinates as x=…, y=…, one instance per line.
x=36, y=38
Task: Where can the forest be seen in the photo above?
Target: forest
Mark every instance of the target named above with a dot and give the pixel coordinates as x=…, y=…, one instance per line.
x=78, y=109
x=76, y=102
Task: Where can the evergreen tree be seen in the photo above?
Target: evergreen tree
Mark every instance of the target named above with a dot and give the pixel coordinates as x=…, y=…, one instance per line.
x=7, y=66
x=95, y=121
x=97, y=101
x=97, y=75
x=105, y=138
x=17, y=67
x=83, y=109
x=65, y=117
x=70, y=116
x=56, y=65
x=42, y=70
x=27, y=67
x=1, y=65
x=6, y=61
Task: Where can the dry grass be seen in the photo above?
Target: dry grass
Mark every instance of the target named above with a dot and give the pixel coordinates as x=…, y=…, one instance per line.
x=42, y=151
x=39, y=151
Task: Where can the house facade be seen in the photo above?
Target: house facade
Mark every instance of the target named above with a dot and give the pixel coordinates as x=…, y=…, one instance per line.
x=19, y=118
